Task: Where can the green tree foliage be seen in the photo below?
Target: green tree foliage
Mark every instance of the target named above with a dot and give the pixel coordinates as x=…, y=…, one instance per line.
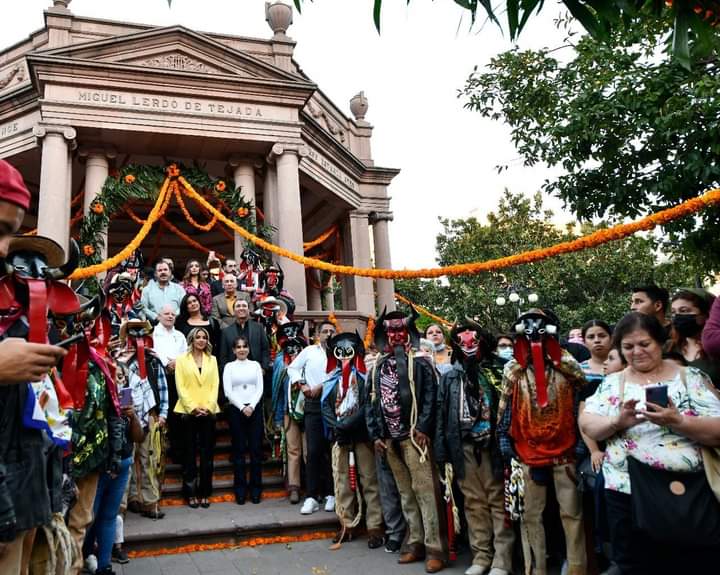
x=594, y=283
x=634, y=133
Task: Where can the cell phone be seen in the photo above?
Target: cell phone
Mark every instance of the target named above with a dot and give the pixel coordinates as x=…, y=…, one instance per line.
x=66, y=343
x=126, y=397
x=657, y=394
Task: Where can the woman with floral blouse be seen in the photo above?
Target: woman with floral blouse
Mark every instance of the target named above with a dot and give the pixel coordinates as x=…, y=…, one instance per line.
x=194, y=284
x=662, y=437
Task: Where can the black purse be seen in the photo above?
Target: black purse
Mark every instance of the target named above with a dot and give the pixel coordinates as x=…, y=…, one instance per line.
x=674, y=507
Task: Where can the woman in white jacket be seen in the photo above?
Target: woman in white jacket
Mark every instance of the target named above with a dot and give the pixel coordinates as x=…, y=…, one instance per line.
x=243, y=386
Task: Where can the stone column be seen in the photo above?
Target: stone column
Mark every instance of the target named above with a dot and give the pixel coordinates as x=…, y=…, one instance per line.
x=314, y=295
x=96, y=172
x=289, y=220
x=329, y=296
x=270, y=198
x=361, y=288
x=381, y=239
x=55, y=174
x=244, y=177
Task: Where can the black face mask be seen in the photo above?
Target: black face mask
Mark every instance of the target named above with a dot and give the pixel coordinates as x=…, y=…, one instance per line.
x=686, y=324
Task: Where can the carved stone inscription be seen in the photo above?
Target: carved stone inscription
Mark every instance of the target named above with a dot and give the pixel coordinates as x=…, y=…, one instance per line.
x=331, y=169
x=171, y=104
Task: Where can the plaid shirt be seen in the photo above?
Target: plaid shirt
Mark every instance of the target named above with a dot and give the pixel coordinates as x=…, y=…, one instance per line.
x=512, y=374
x=157, y=380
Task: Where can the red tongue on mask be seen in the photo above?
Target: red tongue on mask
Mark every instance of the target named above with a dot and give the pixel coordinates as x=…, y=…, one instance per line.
x=37, y=311
x=346, y=370
x=538, y=357
x=140, y=347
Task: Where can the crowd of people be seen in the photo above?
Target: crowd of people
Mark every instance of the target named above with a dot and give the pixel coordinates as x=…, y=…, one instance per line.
x=597, y=449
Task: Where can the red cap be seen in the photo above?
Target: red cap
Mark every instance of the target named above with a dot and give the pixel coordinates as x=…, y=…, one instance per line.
x=12, y=187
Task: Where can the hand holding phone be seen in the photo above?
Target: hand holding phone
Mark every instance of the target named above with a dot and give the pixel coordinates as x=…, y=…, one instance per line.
x=126, y=398
x=657, y=394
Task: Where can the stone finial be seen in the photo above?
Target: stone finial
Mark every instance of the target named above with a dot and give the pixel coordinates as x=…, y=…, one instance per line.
x=61, y=3
x=279, y=17
x=359, y=106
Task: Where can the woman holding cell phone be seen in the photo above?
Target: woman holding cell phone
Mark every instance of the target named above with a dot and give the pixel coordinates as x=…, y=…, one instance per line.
x=243, y=386
x=655, y=416
x=198, y=382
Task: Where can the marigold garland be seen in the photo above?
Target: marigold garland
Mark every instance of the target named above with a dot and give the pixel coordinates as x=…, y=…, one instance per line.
x=90, y=271
x=206, y=227
x=129, y=179
x=332, y=318
x=589, y=241
x=423, y=310
x=254, y=542
x=88, y=250
x=369, y=332
x=97, y=208
x=333, y=229
x=220, y=186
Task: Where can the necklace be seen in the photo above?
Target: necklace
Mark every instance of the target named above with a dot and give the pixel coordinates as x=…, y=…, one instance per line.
x=648, y=377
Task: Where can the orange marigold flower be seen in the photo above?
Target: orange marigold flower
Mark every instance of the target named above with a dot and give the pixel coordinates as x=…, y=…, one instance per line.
x=97, y=208
x=173, y=171
x=220, y=186
x=88, y=250
x=242, y=212
x=129, y=179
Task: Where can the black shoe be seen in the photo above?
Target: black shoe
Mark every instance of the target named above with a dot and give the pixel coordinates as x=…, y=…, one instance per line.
x=134, y=507
x=119, y=555
x=105, y=571
x=255, y=499
x=375, y=541
x=240, y=499
x=205, y=503
x=392, y=546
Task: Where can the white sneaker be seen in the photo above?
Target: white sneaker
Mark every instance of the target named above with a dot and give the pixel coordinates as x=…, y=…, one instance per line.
x=498, y=571
x=475, y=570
x=91, y=564
x=309, y=506
x=330, y=504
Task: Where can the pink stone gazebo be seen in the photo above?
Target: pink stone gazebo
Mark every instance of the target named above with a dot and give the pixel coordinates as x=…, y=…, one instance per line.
x=83, y=94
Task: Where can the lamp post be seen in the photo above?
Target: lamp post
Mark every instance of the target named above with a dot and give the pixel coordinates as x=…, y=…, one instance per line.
x=514, y=295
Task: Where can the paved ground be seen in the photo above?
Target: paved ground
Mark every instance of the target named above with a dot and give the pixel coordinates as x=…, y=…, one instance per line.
x=310, y=558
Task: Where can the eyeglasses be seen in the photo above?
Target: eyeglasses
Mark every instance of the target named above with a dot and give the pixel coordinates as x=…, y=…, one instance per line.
x=330, y=331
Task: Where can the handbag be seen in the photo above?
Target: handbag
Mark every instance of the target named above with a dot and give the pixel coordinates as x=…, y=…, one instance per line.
x=296, y=405
x=673, y=507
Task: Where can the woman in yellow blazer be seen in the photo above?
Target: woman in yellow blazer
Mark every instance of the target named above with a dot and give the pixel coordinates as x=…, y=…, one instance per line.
x=197, y=381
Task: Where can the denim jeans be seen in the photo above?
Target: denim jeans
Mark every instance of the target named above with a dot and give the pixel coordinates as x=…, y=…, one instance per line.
x=109, y=495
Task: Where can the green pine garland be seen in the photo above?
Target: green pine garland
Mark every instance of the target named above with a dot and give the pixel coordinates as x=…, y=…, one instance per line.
x=143, y=182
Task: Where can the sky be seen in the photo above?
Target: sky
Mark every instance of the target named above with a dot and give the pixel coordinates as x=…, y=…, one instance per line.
x=410, y=74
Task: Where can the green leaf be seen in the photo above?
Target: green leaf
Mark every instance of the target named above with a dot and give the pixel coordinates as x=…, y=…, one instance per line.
x=587, y=18
x=680, y=44
x=377, y=9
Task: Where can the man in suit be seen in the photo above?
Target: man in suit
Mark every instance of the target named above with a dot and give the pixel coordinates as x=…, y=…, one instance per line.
x=223, y=304
x=259, y=345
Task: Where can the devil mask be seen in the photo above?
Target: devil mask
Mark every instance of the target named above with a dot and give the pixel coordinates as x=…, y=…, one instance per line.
x=249, y=259
x=469, y=341
x=136, y=334
x=271, y=279
x=34, y=266
x=537, y=338
x=395, y=329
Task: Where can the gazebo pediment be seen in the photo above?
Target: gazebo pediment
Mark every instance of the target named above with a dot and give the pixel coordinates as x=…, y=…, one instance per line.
x=172, y=49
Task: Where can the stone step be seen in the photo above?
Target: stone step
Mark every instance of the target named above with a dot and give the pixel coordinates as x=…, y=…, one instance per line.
x=223, y=522
x=221, y=484
x=223, y=464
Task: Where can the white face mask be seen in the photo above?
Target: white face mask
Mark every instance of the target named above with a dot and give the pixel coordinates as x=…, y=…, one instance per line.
x=505, y=352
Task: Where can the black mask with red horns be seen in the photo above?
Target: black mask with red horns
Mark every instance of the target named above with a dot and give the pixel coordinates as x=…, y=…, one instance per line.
x=291, y=339
x=395, y=329
x=537, y=338
x=34, y=267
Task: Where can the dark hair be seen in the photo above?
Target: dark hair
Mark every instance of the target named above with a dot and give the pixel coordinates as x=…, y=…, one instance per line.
x=433, y=325
x=655, y=293
x=675, y=356
x=702, y=303
x=186, y=275
x=596, y=323
x=325, y=322
x=636, y=320
x=504, y=336
x=184, y=315
x=239, y=339
x=161, y=261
